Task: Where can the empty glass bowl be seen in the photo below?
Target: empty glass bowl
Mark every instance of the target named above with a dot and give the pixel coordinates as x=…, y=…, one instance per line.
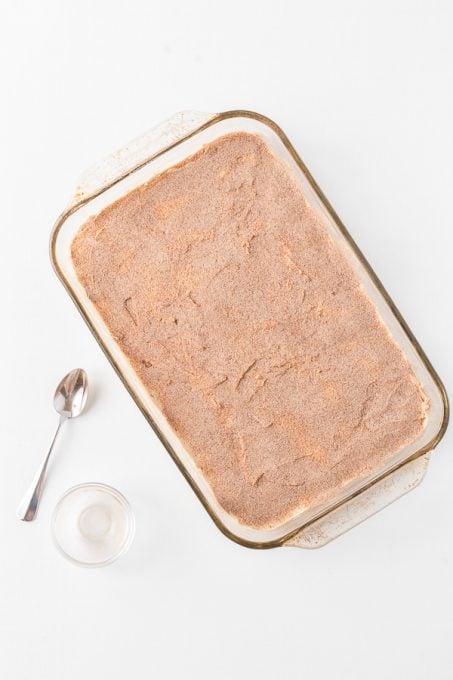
x=92, y=525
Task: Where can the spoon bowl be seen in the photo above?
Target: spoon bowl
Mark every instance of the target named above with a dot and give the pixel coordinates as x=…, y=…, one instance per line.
x=71, y=394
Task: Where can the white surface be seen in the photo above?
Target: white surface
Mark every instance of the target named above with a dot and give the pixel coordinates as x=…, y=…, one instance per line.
x=364, y=91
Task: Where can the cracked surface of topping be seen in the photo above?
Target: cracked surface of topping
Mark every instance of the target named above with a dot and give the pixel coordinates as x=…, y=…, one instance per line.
x=250, y=330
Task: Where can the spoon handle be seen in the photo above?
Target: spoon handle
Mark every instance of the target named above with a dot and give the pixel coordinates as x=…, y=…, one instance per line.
x=28, y=506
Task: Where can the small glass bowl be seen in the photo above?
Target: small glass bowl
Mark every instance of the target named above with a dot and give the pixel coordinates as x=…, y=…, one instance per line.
x=92, y=525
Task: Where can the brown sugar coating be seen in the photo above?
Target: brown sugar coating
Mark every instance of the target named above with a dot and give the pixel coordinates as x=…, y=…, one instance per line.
x=250, y=330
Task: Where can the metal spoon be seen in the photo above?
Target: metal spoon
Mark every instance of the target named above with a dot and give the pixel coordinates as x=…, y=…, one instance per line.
x=69, y=401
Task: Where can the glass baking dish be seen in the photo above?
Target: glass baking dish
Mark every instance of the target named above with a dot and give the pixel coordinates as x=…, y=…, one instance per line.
x=151, y=154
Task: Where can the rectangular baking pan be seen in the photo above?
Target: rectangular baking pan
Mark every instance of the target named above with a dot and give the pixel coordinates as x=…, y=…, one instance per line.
x=139, y=162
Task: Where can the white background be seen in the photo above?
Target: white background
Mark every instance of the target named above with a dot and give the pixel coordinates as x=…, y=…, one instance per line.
x=364, y=91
